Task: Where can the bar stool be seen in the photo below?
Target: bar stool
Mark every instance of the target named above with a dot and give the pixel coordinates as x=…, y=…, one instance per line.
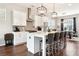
x=61, y=43
x=49, y=44
x=55, y=44
x=8, y=39
x=65, y=36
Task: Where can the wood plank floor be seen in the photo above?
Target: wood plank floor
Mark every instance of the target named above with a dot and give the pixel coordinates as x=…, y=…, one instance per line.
x=19, y=50
x=72, y=49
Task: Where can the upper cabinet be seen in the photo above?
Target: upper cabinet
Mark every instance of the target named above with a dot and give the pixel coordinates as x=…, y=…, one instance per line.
x=5, y=22
x=2, y=15
x=19, y=18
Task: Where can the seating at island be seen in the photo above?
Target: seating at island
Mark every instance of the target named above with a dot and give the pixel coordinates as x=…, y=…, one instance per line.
x=58, y=42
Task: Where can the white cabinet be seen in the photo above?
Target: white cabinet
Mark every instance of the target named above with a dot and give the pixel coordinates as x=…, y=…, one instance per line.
x=33, y=43
x=20, y=37
x=30, y=42
x=2, y=14
x=5, y=23
x=19, y=18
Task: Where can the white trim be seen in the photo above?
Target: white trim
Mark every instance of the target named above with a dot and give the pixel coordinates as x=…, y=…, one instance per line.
x=2, y=44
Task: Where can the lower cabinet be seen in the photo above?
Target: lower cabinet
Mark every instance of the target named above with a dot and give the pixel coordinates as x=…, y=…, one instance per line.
x=30, y=43
x=20, y=37
x=33, y=43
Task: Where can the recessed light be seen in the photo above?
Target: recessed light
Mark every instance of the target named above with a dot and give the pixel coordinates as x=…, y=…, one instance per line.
x=69, y=4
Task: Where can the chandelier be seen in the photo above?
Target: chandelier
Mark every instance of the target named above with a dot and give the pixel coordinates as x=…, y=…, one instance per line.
x=54, y=13
x=41, y=11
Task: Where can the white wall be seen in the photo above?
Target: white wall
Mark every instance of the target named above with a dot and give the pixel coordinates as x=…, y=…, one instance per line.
x=12, y=6
x=39, y=21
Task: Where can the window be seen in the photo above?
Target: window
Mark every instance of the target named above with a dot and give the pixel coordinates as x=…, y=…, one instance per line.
x=51, y=24
x=68, y=24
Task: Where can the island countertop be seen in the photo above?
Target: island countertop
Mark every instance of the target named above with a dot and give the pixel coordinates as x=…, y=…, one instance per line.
x=33, y=41
x=40, y=33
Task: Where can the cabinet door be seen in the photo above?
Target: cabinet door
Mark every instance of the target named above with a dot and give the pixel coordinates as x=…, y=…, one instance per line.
x=2, y=16
x=19, y=18
x=23, y=37
x=17, y=37
x=30, y=42
x=5, y=23
x=20, y=38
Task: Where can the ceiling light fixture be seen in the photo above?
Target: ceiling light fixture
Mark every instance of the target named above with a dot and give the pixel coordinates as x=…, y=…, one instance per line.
x=41, y=11
x=54, y=13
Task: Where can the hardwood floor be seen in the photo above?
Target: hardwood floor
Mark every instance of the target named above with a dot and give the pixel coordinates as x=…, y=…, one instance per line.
x=72, y=49
x=19, y=50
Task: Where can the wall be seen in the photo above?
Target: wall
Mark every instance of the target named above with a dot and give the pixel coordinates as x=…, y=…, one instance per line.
x=39, y=21
x=12, y=6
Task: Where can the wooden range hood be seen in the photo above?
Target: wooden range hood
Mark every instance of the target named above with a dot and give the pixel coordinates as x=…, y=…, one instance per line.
x=30, y=23
x=29, y=13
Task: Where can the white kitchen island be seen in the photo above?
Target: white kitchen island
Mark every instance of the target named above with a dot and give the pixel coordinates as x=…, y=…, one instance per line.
x=33, y=40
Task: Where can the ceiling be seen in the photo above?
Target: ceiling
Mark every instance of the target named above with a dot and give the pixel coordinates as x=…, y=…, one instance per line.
x=61, y=8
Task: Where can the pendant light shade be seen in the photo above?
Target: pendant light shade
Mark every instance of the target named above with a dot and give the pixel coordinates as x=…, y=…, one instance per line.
x=54, y=14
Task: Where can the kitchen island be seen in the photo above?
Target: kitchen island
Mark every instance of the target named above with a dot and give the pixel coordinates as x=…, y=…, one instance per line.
x=33, y=41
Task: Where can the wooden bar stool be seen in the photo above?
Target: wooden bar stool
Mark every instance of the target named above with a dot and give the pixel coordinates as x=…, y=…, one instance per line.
x=8, y=39
x=49, y=43
x=65, y=36
x=61, y=42
x=55, y=44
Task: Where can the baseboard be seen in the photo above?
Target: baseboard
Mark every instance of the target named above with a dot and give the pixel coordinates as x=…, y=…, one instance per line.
x=30, y=54
x=37, y=54
x=15, y=45
x=2, y=44
x=21, y=44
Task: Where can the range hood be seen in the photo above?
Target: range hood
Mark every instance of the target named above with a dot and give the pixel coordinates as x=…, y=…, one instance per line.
x=29, y=14
x=30, y=23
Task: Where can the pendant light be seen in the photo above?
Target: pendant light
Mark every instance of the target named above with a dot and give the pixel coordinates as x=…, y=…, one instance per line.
x=54, y=13
x=41, y=11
